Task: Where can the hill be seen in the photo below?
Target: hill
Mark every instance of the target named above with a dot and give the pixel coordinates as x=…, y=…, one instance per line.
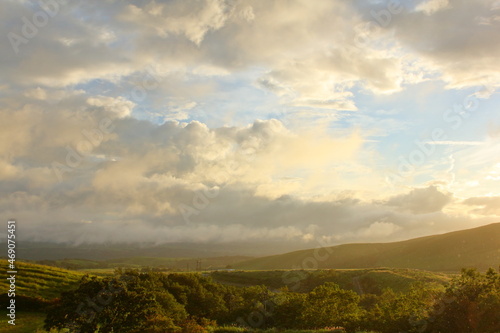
x=28, y=250
x=163, y=264
x=450, y=252
x=40, y=281
x=372, y=281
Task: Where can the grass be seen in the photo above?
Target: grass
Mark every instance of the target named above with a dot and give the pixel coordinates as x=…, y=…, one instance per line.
x=29, y=322
x=369, y=280
x=48, y=282
x=98, y=271
x=41, y=281
x=174, y=264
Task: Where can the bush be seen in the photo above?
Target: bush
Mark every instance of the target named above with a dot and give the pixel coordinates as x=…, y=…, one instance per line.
x=471, y=304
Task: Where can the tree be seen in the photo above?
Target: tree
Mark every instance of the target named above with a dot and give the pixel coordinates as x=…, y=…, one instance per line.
x=470, y=304
x=201, y=297
x=288, y=311
x=132, y=302
x=328, y=305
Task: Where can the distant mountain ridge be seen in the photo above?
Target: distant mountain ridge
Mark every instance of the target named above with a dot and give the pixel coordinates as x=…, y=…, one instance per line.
x=478, y=247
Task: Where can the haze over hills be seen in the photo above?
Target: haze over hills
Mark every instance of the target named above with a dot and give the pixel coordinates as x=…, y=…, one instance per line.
x=478, y=247
x=56, y=251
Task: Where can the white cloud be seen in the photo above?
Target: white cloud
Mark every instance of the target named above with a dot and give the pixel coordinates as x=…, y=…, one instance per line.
x=379, y=229
x=191, y=19
x=487, y=206
x=430, y=7
x=120, y=105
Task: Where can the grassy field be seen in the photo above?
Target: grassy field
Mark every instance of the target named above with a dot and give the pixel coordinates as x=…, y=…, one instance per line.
x=35, y=281
x=39, y=280
x=174, y=264
x=359, y=280
x=47, y=282
x=26, y=322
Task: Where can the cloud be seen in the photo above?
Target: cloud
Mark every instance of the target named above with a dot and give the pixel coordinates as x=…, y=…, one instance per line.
x=192, y=19
x=430, y=7
x=292, y=42
x=142, y=173
x=134, y=116
x=120, y=105
x=421, y=200
x=378, y=229
x=485, y=205
x=464, y=59
x=176, y=182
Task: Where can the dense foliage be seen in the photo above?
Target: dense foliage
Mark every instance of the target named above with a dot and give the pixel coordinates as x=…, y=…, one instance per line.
x=133, y=301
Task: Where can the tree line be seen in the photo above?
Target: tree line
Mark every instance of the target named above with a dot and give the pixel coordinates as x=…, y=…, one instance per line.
x=134, y=301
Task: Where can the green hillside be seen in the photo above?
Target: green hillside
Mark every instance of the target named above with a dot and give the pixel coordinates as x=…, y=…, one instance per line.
x=161, y=263
x=372, y=281
x=177, y=263
x=39, y=280
x=478, y=247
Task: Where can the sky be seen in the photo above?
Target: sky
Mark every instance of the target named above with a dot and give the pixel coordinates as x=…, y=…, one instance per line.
x=285, y=121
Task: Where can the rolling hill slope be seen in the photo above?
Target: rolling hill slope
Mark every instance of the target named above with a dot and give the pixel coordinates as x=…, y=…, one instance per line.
x=372, y=281
x=478, y=247
x=179, y=264
x=39, y=280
